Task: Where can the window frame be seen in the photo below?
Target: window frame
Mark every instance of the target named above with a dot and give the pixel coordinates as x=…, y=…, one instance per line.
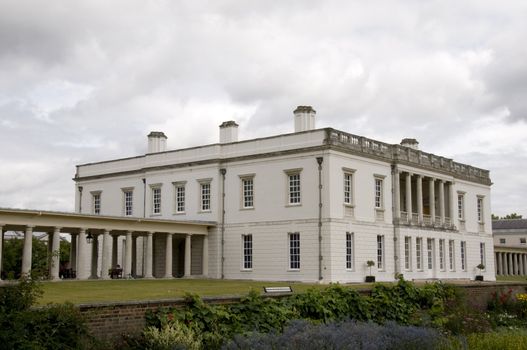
x=350, y=253
x=96, y=202
x=294, y=251
x=153, y=189
x=408, y=253
x=430, y=253
x=348, y=176
x=442, y=255
x=289, y=174
x=419, y=253
x=205, y=196
x=243, y=198
x=461, y=206
x=463, y=255
x=126, y=191
x=177, y=196
x=451, y=255
x=247, y=252
x=482, y=255
x=380, y=253
x=378, y=187
x=480, y=209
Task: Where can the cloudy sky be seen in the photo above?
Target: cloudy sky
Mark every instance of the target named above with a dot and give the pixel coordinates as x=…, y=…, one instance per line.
x=84, y=81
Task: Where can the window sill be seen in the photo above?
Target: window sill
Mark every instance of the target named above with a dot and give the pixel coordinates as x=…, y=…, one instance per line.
x=204, y=211
x=248, y=208
x=293, y=270
x=349, y=205
x=379, y=209
x=246, y=270
x=350, y=270
x=179, y=213
x=157, y=214
x=293, y=205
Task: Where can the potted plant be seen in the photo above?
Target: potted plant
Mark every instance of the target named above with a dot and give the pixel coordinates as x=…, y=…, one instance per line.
x=370, y=278
x=480, y=276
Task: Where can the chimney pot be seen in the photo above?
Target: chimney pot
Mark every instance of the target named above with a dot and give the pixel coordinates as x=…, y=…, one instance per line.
x=304, y=118
x=411, y=143
x=228, y=132
x=157, y=142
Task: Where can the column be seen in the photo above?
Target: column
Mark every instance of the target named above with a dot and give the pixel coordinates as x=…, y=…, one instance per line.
x=432, y=200
x=397, y=194
x=26, y=254
x=520, y=258
x=187, y=255
x=499, y=268
x=408, y=201
x=115, y=251
x=55, y=254
x=133, y=267
x=205, y=259
x=106, y=254
x=168, y=256
x=128, y=256
x=82, y=248
x=524, y=264
x=94, y=257
x=420, y=198
x=442, y=201
x=505, y=257
x=73, y=252
x=149, y=255
x=510, y=267
x=1, y=248
x=452, y=202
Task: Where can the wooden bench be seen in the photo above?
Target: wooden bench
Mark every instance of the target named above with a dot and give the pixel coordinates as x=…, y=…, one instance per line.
x=269, y=290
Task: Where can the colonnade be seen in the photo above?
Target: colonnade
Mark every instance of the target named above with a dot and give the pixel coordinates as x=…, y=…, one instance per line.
x=85, y=231
x=511, y=263
x=417, y=210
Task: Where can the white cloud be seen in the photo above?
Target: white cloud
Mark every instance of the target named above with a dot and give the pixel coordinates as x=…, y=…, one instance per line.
x=87, y=80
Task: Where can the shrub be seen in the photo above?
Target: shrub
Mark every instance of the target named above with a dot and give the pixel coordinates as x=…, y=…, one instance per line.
x=345, y=335
x=52, y=327
x=172, y=336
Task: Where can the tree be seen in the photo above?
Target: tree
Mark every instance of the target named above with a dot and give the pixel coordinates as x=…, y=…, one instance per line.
x=508, y=216
x=12, y=257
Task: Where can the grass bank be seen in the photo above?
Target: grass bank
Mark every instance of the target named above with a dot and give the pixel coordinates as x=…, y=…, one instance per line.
x=80, y=292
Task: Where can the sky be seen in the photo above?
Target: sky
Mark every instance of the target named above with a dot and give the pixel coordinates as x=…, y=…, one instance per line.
x=84, y=81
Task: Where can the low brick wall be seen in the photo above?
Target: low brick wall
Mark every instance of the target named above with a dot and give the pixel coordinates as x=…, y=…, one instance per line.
x=108, y=321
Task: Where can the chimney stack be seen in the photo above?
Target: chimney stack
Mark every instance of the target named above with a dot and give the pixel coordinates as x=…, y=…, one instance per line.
x=157, y=142
x=304, y=118
x=411, y=143
x=228, y=132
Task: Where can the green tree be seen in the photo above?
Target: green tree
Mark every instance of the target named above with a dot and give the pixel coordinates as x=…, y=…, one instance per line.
x=508, y=216
x=40, y=258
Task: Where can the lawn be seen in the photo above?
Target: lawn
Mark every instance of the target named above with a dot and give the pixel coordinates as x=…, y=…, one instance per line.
x=511, y=278
x=80, y=292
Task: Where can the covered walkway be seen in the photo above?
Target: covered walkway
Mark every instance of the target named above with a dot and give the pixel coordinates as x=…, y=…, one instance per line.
x=88, y=231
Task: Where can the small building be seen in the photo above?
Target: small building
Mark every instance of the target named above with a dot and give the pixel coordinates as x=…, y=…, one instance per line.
x=510, y=246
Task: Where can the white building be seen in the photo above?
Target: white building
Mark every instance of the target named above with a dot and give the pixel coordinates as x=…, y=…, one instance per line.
x=510, y=244
x=313, y=205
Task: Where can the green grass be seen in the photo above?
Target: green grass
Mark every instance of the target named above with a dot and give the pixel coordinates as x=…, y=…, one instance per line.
x=80, y=292
x=511, y=278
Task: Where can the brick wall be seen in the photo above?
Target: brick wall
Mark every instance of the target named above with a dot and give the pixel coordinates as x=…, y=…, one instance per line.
x=108, y=321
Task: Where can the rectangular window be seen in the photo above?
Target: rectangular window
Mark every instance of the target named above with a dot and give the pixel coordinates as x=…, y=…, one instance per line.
x=502, y=240
x=128, y=202
x=248, y=192
x=380, y=252
x=205, y=196
x=451, y=255
x=247, y=251
x=378, y=193
x=180, y=198
x=348, y=197
x=407, y=256
x=294, y=188
x=294, y=251
x=522, y=241
x=461, y=206
x=463, y=255
x=96, y=203
x=156, y=200
x=480, y=209
x=430, y=251
x=419, y=253
x=482, y=253
x=442, y=254
x=349, y=250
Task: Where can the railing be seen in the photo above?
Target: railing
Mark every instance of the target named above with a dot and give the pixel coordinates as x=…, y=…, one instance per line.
x=398, y=152
x=415, y=218
x=437, y=221
x=427, y=219
x=448, y=222
x=404, y=217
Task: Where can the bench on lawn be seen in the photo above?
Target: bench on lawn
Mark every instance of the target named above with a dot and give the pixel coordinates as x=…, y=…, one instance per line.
x=269, y=290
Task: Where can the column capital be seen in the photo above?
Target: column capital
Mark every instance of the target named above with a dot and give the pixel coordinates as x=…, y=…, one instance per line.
x=57, y=228
x=30, y=227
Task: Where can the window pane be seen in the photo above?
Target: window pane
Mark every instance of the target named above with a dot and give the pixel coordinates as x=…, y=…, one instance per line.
x=294, y=250
x=294, y=189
